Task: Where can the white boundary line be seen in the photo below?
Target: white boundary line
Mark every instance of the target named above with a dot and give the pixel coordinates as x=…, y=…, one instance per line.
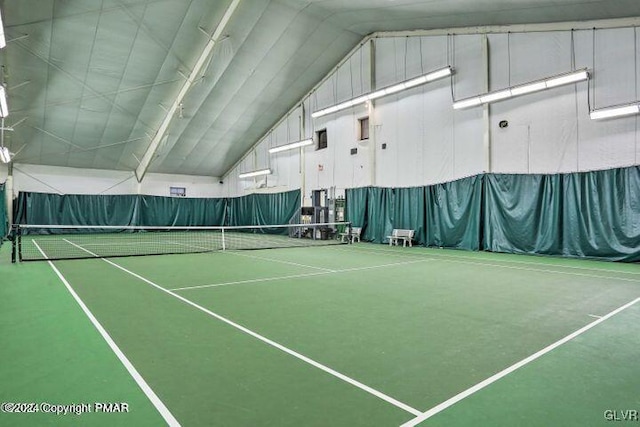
x=266, y=340
x=433, y=251
x=295, y=276
x=239, y=282
x=328, y=270
x=467, y=260
x=457, y=398
x=151, y=395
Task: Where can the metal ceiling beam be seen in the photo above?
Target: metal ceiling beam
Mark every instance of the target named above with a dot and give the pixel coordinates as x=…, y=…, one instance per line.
x=597, y=24
x=142, y=168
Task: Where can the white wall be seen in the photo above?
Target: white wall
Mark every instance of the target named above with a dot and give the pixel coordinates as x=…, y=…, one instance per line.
x=429, y=142
x=62, y=180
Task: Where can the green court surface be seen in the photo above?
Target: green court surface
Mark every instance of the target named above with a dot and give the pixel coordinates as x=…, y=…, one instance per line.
x=350, y=335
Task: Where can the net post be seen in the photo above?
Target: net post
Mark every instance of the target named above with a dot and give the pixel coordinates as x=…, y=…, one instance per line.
x=17, y=244
x=224, y=246
x=19, y=237
x=12, y=237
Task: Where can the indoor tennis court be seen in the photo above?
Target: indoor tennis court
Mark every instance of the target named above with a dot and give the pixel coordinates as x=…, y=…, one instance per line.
x=332, y=213
x=358, y=334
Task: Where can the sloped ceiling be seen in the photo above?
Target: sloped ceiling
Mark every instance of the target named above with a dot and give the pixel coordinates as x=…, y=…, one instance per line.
x=90, y=81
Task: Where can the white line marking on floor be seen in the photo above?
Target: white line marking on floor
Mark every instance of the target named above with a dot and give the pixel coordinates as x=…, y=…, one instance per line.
x=457, y=398
x=151, y=395
x=595, y=316
x=295, y=276
x=461, y=259
x=239, y=282
x=266, y=340
x=281, y=261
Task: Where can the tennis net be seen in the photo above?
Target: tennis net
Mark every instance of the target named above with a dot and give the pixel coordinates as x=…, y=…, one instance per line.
x=56, y=242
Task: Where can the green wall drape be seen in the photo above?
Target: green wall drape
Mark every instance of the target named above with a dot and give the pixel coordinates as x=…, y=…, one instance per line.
x=241, y=210
x=601, y=214
x=410, y=212
x=589, y=214
x=453, y=213
x=141, y=210
x=380, y=202
x=76, y=209
x=523, y=214
x=263, y=209
x=356, y=206
x=161, y=211
x=277, y=208
x=379, y=210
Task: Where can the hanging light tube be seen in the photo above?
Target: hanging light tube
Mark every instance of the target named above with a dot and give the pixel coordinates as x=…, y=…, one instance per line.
x=255, y=173
x=291, y=146
x=5, y=155
x=429, y=77
x=618, y=111
x=4, y=108
x=536, y=86
x=3, y=41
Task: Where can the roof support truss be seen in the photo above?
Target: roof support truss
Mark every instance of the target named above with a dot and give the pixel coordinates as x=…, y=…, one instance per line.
x=191, y=79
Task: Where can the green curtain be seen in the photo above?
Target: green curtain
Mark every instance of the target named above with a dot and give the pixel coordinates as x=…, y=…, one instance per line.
x=601, y=214
x=174, y=211
x=379, y=214
x=356, y=207
x=254, y=209
x=74, y=209
x=4, y=224
x=241, y=210
x=409, y=212
x=263, y=209
x=593, y=214
x=453, y=213
x=523, y=214
x=278, y=208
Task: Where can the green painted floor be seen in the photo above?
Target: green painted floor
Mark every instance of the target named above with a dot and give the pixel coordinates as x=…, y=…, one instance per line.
x=415, y=325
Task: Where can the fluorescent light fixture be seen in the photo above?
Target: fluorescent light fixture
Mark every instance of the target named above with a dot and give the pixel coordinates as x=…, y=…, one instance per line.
x=578, y=76
x=466, y=103
x=536, y=86
x=495, y=96
x=528, y=88
x=291, y=146
x=438, y=74
x=5, y=155
x=255, y=173
x=399, y=87
x=360, y=100
x=396, y=88
x=416, y=82
x=4, y=109
x=378, y=94
x=607, y=113
x=3, y=41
